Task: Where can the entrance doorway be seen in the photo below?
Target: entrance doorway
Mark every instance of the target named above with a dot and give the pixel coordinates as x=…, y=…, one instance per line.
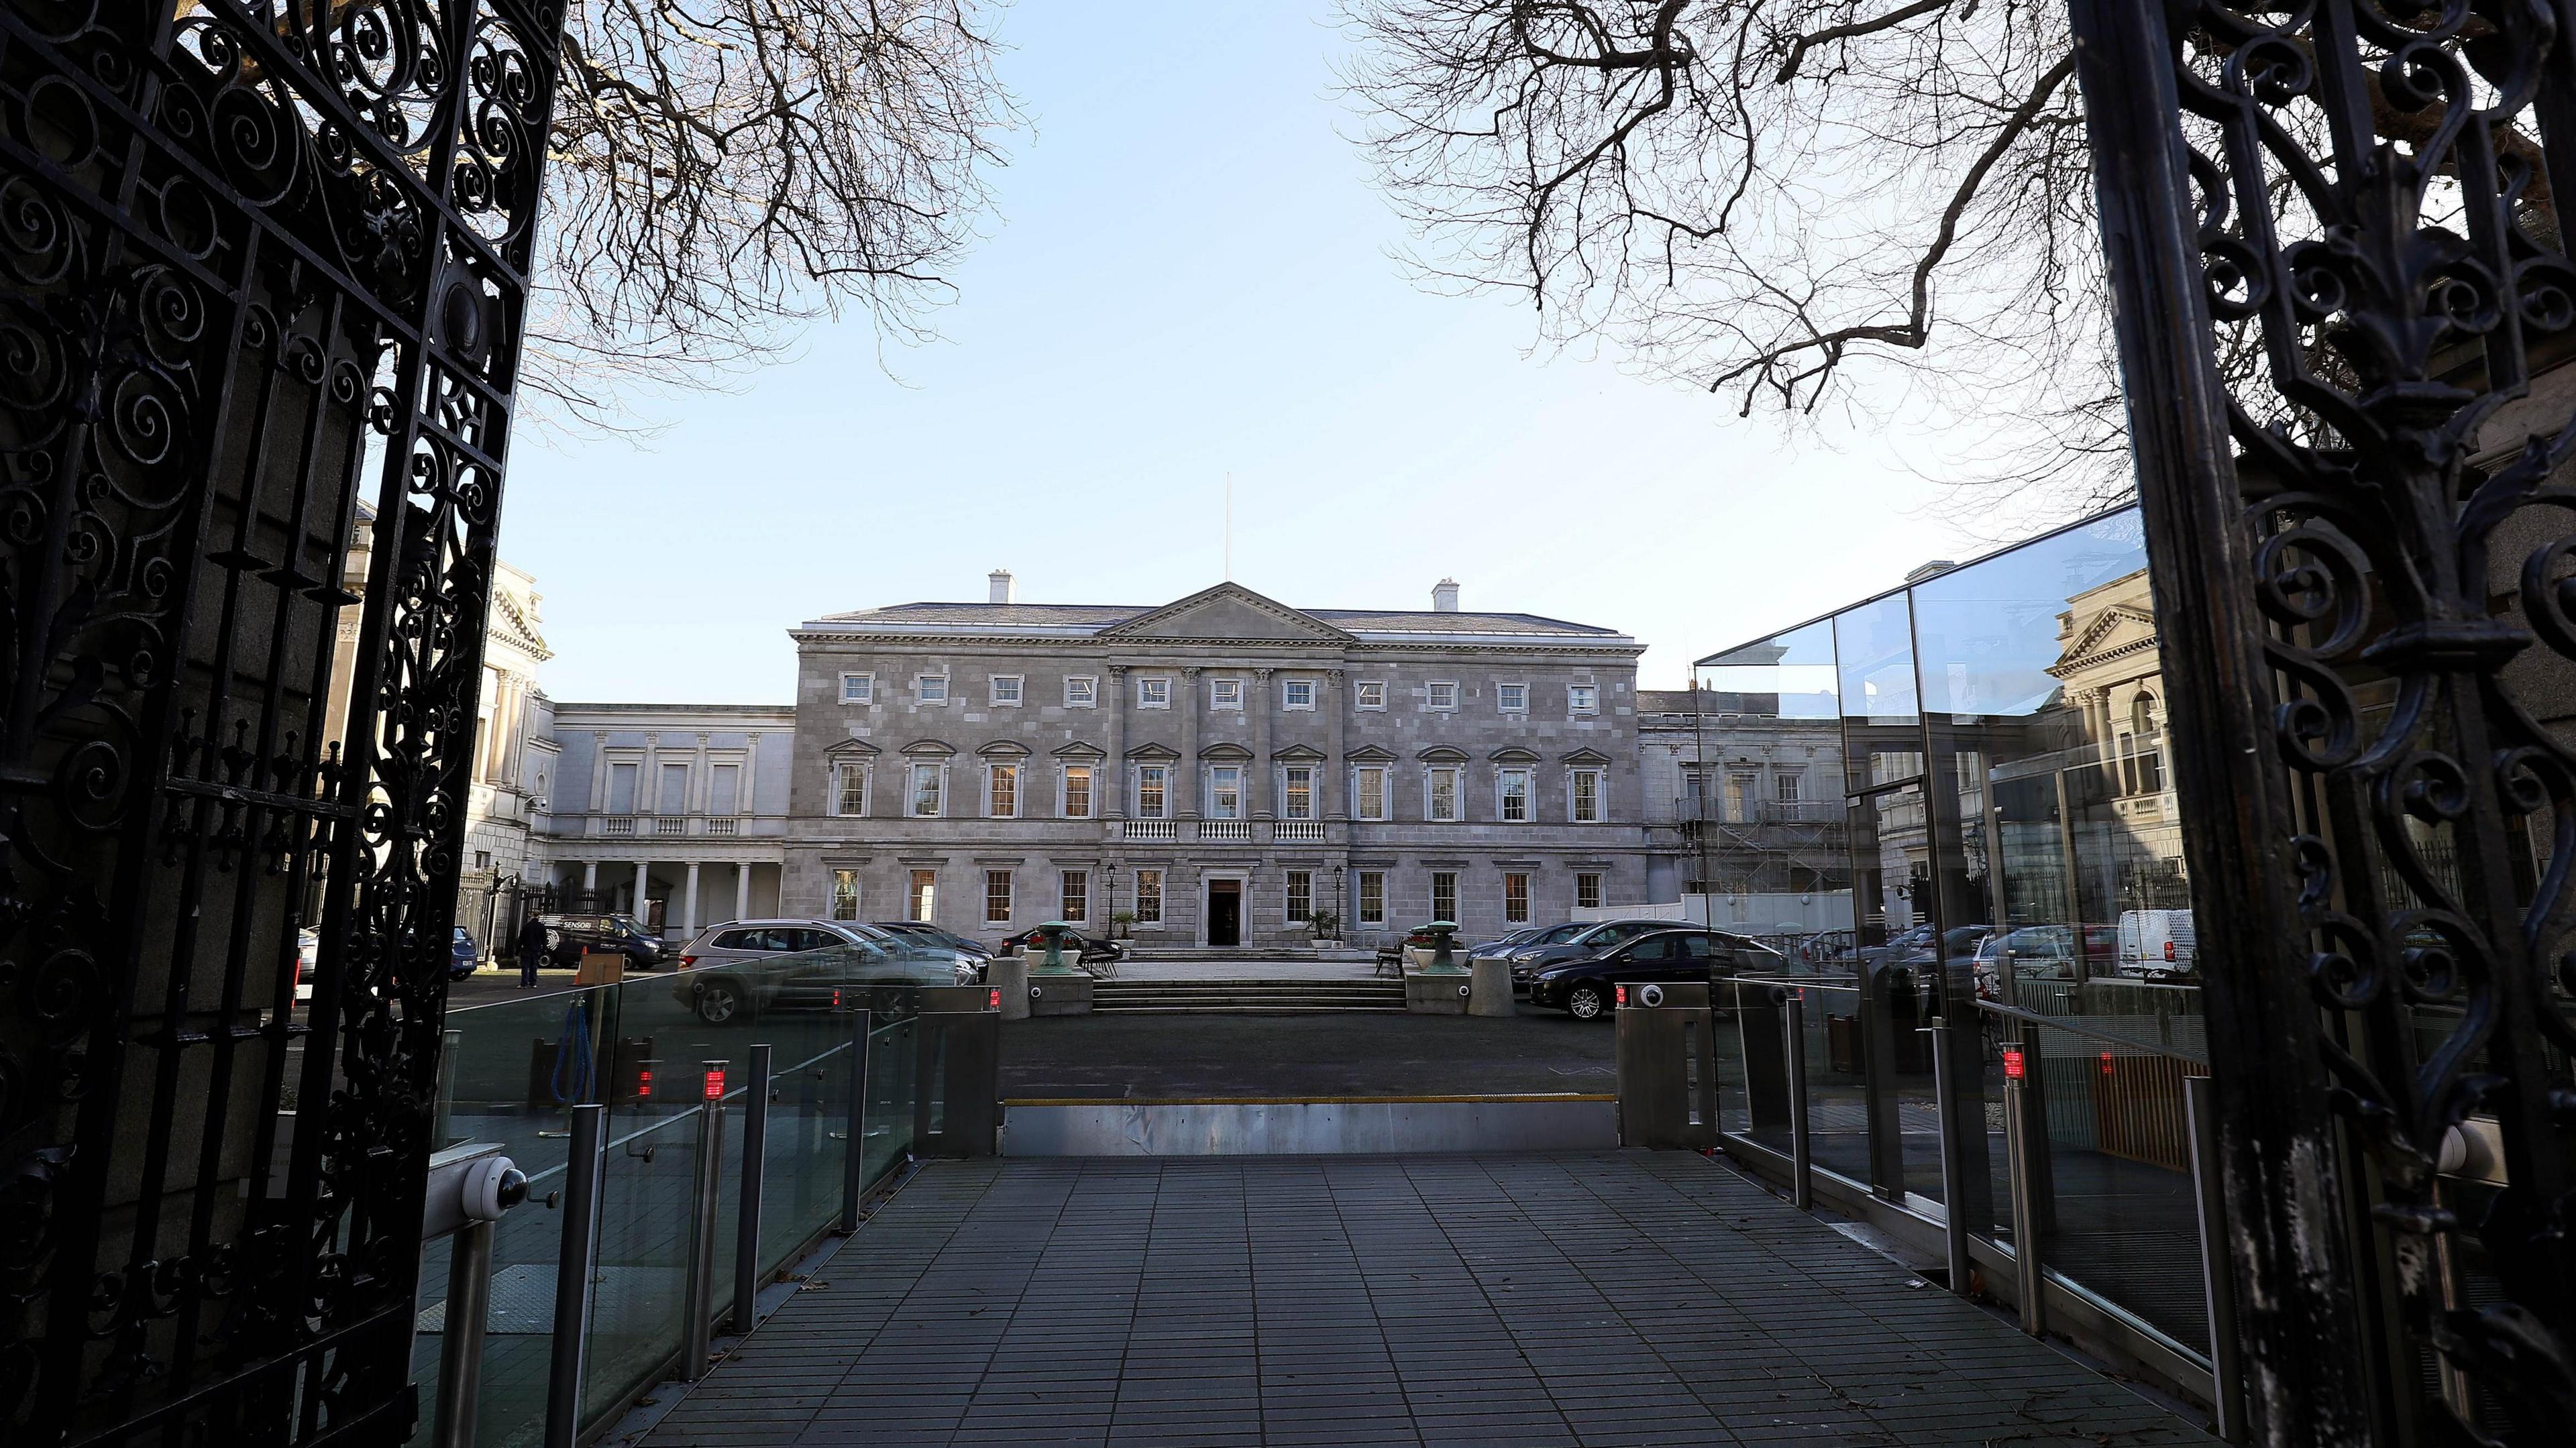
x=1225, y=912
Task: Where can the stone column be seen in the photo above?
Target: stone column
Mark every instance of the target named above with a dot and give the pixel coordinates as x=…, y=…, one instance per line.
x=1264, y=807
x=643, y=884
x=742, y=890
x=1337, y=773
x=750, y=758
x=1188, y=784
x=590, y=877
x=701, y=787
x=648, y=780
x=689, y=906
x=1113, y=785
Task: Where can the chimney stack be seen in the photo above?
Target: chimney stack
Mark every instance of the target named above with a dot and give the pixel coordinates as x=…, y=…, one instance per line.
x=1444, y=596
x=1004, y=591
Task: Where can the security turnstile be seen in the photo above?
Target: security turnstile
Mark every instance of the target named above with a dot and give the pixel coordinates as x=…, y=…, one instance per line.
x=1667, y=1058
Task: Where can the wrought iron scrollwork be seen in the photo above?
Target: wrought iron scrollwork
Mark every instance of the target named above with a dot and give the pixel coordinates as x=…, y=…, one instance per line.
x=2371, y=197
x=262, y=267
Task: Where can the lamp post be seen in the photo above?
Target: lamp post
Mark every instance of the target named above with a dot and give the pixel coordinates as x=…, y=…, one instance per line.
x=1109, y=897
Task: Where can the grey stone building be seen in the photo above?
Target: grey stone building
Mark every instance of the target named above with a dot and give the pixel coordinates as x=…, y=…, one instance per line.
x=1220, y=768
x=675, y=813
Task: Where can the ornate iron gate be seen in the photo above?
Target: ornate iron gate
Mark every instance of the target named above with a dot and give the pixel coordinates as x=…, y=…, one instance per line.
x=2363, y=544
x=262, y=258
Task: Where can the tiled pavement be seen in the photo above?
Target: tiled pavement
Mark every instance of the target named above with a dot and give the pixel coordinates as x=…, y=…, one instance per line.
x=1579, y=1299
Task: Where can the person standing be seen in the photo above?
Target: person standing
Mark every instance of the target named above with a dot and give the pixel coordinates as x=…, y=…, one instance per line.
x=532, y=950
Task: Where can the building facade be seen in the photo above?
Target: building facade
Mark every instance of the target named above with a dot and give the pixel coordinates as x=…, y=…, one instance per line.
x=1744, y=813
x=674, y=813
x=1212, y=772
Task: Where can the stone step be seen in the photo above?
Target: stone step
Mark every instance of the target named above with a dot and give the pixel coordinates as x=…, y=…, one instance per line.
x=1247, y=996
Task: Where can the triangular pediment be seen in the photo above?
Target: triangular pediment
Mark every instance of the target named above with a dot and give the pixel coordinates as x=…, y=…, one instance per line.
x=1078, y=750
x=2117, y=629
x=1586, y=756
x=1153, y=752
x=1298, y=754
x=1228, y=613
x=850, y=749
x=1371, y=754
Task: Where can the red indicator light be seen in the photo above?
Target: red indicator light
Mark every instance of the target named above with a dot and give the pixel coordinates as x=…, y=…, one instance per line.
x=643, y=1084
x=715, y=1085
x=836, y=998
x=1623, y=995
x=2012, y=1063
x=2106, y=1063
x=994, y=1001
x=2169, y=950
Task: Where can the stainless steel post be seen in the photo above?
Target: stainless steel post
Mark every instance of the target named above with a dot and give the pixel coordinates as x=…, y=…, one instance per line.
x=698, y=1317
x=746, y=1222
x=448, y=1042
x=1802, y=1180
x=2027, y=1281
x=575, y=1264
x=1954, y=1216
x=460, y=1348
x=2218, y=1287
x=856, y=1162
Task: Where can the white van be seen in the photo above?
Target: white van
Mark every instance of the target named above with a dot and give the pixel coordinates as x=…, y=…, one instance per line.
x=2157, y=941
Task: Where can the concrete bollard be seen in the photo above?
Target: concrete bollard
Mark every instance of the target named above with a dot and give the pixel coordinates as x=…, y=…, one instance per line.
x=1009, y=974
x=1491, y=995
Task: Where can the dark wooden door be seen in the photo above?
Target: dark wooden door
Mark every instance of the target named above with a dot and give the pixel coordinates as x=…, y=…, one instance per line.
x=1225, y=913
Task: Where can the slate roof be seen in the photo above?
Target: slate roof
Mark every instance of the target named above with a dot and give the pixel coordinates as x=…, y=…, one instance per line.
x=1104, y=615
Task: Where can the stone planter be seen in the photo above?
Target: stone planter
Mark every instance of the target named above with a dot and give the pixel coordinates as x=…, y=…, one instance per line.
x=1059, y=993
x=1437, y=992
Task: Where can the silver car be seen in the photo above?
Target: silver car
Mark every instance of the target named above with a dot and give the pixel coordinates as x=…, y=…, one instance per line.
x=749, y=966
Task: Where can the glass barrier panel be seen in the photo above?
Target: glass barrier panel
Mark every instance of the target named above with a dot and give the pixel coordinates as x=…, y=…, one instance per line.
x=892, y=1077
x=2115, y=1201
x=640, y=1291
x=809, y=1115
x=1837, y=1082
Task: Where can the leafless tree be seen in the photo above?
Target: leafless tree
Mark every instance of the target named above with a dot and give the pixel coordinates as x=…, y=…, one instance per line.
x=725, y=170
x=1876, y=211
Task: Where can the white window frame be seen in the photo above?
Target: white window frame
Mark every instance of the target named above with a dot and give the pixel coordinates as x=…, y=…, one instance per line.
x=1583, y=698
x=858, y=687
x=938, y=777
x=1019, y=690
x=857, y=894
x=1502, y=794
x=1010, y=897
x=1162, y=806
x=1288, y=804
x=1090, y=791
x=921, y=895
x=1149, y=888
x=1153, y=691
x=661, y=783
x=842, y=773
x=1359, y=792
x=1451, y=914
x=1788, y=786
x=1431, y=794
x=1225, y=694
x=1288, y=689
x=1588, y=881
x=994, y=771
x=1209, y=783
x=1064, y=897
x=921, y=689
x=1369, y=694
x=1574, y=782
x=1090, y=692
x=1431, y=696
x=1523, y=918
x=1360, y=902
x=1503, y=699
x=1299, y=882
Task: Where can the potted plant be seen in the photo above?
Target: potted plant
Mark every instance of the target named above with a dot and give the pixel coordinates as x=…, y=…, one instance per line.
x=1121, y=920
x=1327, y=925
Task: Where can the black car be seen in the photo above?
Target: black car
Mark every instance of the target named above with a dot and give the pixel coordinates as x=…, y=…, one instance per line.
x=1585, y=940
x=1587, y=989
x=463, y=955
x=567, y=936
x=1086, y=948
x=928, y=934
x=1526, y=936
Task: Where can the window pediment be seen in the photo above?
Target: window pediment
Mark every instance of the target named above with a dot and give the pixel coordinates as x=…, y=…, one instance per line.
x=1297, y=754
x=1004, y=749
x=850, y=749
x=1585, y=757
x=1371, y=754
x=1230, y=753
x=1512, y=756
x=1077, y=750
x=1153, y=752
x=928, y=749
x=1442, y=754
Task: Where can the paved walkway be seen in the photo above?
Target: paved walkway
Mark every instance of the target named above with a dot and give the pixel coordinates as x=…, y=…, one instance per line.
x=1584, y=1299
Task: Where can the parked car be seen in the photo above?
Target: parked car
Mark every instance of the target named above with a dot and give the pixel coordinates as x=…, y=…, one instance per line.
x=2158, y=944
x=1085, y=948
x=1592, y=939
x=1536, y=935
x=750, y=966
x=1587, y=989
x=923, y=931
x=2044, y=950
x=308, y=950
x=463, y=955
x=567, y=936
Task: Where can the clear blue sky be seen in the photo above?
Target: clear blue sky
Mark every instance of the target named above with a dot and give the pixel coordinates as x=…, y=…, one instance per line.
x=1190, y=274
